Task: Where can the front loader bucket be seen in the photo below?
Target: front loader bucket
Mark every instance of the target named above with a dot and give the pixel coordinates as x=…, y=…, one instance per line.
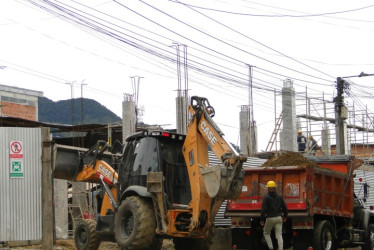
x=66, y=162
x=219, y=182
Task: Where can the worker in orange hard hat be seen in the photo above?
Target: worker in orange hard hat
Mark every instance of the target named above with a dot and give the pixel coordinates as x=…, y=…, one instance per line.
x=275, y=211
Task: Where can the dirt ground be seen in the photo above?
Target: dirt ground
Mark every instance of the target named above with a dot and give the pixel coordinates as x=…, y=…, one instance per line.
x=105, y=245
x=69, y=245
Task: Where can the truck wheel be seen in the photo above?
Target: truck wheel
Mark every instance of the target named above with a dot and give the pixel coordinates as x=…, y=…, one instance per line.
x=135, y=224
x=369, y=242
x=323, y=236
x=85, y=236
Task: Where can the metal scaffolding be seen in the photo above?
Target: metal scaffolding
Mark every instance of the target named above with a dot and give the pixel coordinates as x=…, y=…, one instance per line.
x=316, y=117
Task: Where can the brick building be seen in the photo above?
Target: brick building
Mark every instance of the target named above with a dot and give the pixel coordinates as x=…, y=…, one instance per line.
x=19, y=102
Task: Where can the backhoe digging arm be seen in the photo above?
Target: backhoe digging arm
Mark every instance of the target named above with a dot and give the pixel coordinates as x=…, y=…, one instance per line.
x=210, y=185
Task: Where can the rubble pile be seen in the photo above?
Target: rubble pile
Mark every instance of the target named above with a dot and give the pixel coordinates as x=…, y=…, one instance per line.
x=289, y=159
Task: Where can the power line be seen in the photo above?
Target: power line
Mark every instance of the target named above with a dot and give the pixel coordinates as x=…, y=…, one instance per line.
x=220, y=40
x=273, y=16
x=262, y=44
x=101, y=30
x=112, y=35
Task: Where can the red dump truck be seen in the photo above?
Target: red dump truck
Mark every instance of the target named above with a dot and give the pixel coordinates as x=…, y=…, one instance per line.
x=324, y=212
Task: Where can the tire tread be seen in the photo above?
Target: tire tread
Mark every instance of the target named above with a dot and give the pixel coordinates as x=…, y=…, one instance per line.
x=144, y=232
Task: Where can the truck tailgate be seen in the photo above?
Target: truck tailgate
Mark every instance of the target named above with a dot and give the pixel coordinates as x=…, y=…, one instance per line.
x=306, y=190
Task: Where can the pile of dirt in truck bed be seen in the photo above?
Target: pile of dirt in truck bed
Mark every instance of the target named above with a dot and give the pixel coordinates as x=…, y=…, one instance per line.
x=288, y=159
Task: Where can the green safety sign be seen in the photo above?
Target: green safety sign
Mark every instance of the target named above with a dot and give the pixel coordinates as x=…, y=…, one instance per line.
x=16, y=168
x=16, y=159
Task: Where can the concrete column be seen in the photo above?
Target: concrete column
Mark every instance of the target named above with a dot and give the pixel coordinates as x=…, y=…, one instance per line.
x=325, y=137
x=181, y=109
x=288, y=134
x=254, y=144
x=128, y=117
x=61, y=208
x=244, y=129
x=47, y=212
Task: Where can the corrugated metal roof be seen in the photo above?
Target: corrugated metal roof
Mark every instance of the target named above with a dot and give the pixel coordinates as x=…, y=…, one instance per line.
x=251, y=161
x=20, y=206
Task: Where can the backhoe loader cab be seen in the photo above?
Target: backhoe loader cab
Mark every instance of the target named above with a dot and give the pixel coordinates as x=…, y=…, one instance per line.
x=155, y=151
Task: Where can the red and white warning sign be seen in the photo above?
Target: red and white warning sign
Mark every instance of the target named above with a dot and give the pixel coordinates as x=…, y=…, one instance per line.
x=16, y=159
x=16, y=149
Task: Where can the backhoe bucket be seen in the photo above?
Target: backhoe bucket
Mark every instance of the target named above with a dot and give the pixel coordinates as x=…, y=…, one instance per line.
x=219, y=182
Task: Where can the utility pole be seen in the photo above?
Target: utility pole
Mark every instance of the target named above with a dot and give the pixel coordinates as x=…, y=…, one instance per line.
x=135, y=81
x=72, y=106
x=251, y=139
x=341, y=115
x=82, y=84
x=182, y=95
x=72, y=101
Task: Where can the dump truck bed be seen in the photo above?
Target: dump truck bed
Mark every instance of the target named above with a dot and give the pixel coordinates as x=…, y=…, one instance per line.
x=307, y=190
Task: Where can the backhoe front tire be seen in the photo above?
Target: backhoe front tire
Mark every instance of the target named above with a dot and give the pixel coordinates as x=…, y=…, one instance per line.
x=135, y=224
x=85, y=236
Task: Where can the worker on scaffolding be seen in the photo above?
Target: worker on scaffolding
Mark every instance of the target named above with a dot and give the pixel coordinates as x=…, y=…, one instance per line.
x=301, y=141
x=312, y=144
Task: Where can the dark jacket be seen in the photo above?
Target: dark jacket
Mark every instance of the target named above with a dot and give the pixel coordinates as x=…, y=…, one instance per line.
x=273, y=205
x=301, y=143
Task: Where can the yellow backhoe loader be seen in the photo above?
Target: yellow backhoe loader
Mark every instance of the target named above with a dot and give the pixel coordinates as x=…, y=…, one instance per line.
x=161, y=186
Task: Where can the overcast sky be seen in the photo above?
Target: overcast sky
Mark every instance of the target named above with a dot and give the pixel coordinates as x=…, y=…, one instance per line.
x=103, y=43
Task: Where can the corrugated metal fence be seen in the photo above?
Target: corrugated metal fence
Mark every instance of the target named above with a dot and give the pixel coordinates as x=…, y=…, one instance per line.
x=365, y=177
x=20, y=191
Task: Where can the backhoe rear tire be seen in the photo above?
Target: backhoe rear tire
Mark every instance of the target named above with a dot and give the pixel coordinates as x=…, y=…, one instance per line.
x=85, y=236
x=135, y=224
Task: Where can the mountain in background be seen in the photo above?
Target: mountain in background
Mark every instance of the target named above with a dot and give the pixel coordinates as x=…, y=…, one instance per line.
x=60, y=112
